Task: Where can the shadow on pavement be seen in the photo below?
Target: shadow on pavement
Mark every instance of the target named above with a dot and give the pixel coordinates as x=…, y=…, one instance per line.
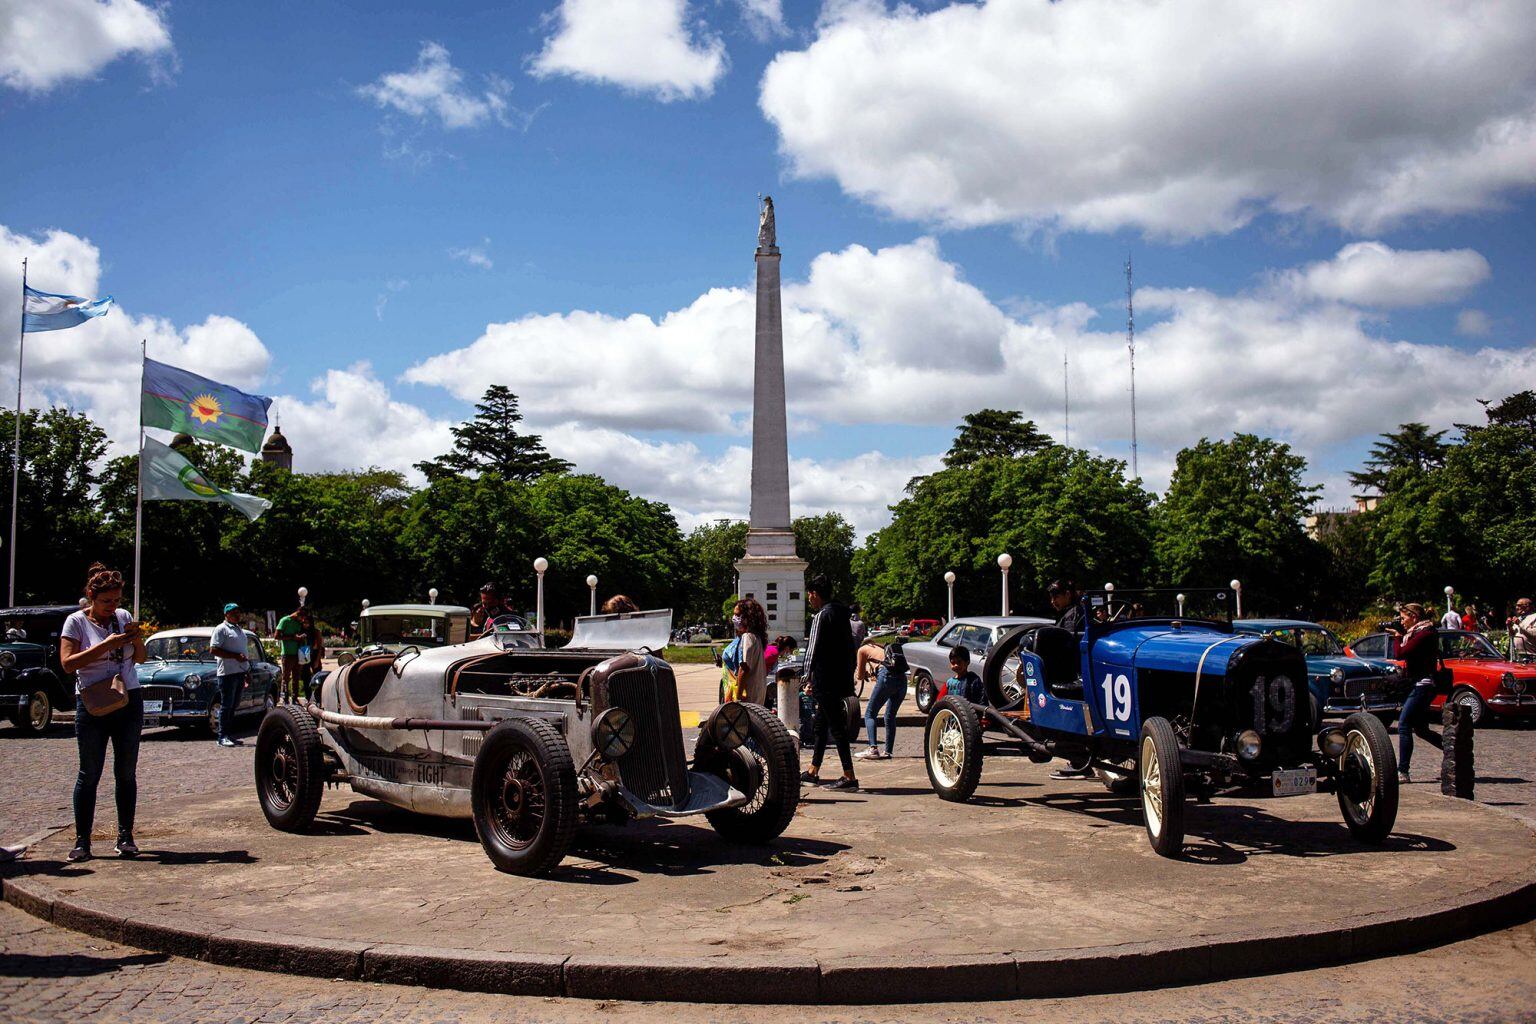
x=71, y=965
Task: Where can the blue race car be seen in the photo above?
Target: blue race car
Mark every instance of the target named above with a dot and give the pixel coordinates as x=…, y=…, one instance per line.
x=1164, y=703
x=1340, y=684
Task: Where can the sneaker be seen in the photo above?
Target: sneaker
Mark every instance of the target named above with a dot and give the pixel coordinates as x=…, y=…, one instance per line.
x=1064, y=774
x=82, y=851
x=847, y=785
x=808, y=777
x=868, y=755
x=126, y=847
x=225, y=741
x=1402, y=778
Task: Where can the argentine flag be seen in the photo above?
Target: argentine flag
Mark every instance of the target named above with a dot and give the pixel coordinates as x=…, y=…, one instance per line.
x=45, y=311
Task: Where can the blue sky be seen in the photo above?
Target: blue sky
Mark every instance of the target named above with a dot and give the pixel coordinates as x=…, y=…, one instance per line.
x=266, y=203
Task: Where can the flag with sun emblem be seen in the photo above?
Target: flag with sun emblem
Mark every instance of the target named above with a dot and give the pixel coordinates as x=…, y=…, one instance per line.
x=168, y=476
x=176, y=399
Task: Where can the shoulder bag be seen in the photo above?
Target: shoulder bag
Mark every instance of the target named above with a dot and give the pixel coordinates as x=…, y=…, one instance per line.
x=107, y=695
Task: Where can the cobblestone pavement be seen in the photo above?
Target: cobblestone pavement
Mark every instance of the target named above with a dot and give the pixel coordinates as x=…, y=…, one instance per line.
x=50, y=975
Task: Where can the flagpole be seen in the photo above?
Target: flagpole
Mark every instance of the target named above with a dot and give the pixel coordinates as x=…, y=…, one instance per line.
x=138, y=511
x=16, y=451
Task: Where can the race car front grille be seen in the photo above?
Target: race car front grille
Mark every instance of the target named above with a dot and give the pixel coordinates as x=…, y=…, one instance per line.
x=654, y=769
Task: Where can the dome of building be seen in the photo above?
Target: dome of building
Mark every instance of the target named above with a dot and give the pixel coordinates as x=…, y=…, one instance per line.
x=277, y=450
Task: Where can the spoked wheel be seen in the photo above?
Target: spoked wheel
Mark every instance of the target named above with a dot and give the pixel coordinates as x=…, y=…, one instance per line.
x=1472, y=704
x=39, y=713
x=1003, y=671
x=523, y=796
x=290, y=773
x=1162, y=786
x=1367, y=784
x=927, y=692
x=766, y=768
x=952, y=749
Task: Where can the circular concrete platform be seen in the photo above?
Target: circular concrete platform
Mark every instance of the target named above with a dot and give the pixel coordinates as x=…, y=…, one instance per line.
x=888, y=895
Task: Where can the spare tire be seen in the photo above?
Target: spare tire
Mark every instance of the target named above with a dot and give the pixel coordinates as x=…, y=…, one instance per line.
x=1000, y=672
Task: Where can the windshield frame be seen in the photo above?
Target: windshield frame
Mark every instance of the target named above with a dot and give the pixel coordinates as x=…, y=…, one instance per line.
x=1477, y=640
x=177, y=644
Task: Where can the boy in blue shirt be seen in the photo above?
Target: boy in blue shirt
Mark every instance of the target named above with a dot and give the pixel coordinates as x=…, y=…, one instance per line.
x=962, y=681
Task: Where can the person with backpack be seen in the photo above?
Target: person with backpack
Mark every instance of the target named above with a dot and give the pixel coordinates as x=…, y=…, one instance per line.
x=890, y=690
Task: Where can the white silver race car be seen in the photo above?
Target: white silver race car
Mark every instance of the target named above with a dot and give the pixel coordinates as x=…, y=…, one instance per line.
x=529, y=742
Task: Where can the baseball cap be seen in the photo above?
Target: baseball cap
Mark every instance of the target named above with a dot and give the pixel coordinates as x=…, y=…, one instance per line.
x=231, y=607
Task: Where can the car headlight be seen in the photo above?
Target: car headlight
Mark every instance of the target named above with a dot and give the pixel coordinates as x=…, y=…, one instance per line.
x=1509, y=681
x=1337, y=675
x=192, y=682
x=7, y=659
x=1332, y=742
x=613, y=734
x=1248, y=744
x=732, y=725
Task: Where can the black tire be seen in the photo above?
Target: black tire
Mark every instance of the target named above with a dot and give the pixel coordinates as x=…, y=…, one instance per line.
x=952, y=749
x=924, y=692
x=767, y=769
x=523, y=795
x=1473, y=702
x=1161, y=780
x=1119, y=783
x=1004, y=693
x=1317, y=713
x=290, y=772
x=1367, y=782
x=39, y=714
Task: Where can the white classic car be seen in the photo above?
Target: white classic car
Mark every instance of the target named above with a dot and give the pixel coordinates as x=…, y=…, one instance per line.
x=529, y=742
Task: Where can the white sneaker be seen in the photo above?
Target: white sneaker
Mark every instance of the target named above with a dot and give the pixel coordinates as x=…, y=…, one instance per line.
x=871, y=754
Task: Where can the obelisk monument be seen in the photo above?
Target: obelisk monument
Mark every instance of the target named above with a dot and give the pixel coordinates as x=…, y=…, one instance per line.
x=771, y=572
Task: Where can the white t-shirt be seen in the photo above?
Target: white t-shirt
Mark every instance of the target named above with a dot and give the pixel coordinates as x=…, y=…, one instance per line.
x=86, y=634
x=1450, y=620
x=229, y=638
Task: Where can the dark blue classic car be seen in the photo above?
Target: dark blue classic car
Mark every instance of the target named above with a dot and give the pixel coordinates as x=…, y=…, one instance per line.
x=181, y=685
x=1173, y=700
x=32, y=684
x=1340, y=684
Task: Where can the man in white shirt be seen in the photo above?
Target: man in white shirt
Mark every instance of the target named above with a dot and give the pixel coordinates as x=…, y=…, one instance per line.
x=229, y=648
x=1523, y=625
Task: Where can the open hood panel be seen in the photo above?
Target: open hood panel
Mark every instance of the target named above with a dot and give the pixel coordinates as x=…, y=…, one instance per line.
x=625, y=631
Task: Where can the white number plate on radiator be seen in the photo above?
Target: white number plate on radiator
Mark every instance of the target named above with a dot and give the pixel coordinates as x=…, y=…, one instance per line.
x=1295, y=781
x=153, y=707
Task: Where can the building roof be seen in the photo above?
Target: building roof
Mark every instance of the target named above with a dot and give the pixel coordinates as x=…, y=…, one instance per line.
x=277, y=442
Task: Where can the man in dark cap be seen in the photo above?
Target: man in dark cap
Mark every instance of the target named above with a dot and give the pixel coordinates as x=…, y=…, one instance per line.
x=1068, y=602
x=483, y=614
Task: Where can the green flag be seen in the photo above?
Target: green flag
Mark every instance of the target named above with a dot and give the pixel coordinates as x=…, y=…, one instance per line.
x=168, y=476
x=176, y=399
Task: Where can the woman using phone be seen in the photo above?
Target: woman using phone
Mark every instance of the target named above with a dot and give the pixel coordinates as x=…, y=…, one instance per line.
x=98, y=643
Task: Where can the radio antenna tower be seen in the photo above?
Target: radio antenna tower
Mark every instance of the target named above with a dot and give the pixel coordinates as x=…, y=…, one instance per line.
x=1130, y=344
x=1066, y=405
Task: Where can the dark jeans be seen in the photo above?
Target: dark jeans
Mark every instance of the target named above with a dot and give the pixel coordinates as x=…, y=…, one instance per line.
x=229, y=699
x=1414, y=718
x=890, y=690
x=122, y=727
x=832, y=716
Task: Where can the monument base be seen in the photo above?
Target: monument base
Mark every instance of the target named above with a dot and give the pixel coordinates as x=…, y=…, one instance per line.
x=777, y=582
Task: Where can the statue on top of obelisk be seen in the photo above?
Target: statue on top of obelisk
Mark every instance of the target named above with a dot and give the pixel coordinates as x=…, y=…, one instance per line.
x=771, y=572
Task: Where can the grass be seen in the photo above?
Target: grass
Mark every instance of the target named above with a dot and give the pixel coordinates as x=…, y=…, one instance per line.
x=689, y=655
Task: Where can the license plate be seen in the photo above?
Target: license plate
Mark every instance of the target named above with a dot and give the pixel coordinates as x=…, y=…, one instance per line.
x=154, y=707
x=1295, y=781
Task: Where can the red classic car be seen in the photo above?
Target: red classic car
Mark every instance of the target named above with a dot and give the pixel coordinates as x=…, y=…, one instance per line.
x=1484, y=682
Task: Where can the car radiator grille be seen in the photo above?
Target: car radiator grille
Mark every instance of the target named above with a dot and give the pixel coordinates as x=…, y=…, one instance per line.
x=654, y=769
x=149, y=691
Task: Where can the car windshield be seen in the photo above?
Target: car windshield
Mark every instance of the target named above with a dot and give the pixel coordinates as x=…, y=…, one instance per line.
x=179, y=648
x=1194, y=603
x=1311, y=640
x=421, y=630
x=1466, y=645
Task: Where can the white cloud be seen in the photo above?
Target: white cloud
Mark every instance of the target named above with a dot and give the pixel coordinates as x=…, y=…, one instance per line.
x=352, y=421
x=474, y=255
x=46, y=42
x=646, y=46
x=1373, y=274
x=1473, y=323
x=1180, y=119
x=435, y=88
x=764, y=18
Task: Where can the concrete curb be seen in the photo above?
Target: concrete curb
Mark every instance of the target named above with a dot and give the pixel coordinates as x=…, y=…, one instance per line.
x=854, y=980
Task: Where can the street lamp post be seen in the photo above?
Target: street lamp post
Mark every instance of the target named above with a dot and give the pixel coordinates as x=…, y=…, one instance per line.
x=365, y=604
x=1448, y=592
x=1109, y=601
x=1180, y=599
x=540, y=566
x=1237, y=588
x=432, y=596
x=592, y=586
x=303, y=595
x=1004, y=560
x=949, y=581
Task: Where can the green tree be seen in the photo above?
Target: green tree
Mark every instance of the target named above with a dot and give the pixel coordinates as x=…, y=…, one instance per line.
x=59, y=528
x=1235, y=509
x=711, y=552
x=460, y=532
x=1413, y=450
x=490, y=443
x=826, y=543
x=994, y=434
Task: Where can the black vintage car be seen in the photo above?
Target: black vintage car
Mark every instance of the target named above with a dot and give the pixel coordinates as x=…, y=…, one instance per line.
x=32, y=683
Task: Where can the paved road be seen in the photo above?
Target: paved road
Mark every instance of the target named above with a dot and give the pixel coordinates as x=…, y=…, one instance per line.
x=50, y=975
